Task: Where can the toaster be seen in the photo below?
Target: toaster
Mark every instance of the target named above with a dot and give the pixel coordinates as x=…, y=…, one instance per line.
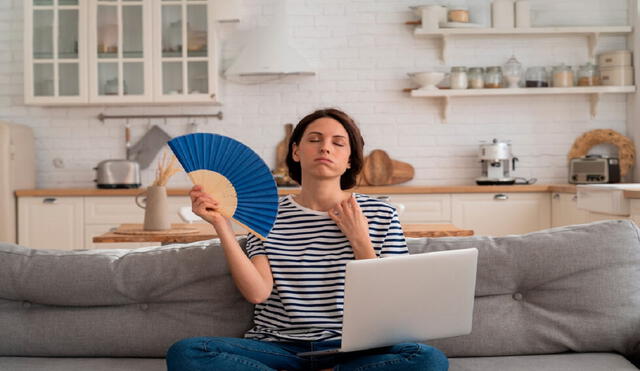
x=117, y=174
x=594, y=169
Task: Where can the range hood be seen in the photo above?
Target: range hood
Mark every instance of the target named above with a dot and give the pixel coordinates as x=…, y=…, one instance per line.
x=268, y=52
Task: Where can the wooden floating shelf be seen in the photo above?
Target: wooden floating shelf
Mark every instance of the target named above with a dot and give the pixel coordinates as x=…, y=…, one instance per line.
x=444, y=95
x=592, y=33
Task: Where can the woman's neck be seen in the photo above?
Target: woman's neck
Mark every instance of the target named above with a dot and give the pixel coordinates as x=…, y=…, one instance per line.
x=321, y=195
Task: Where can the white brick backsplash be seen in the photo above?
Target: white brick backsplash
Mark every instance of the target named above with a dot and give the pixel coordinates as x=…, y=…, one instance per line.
x=361, y=51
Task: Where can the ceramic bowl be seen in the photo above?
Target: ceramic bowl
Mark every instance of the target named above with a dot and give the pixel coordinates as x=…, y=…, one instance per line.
x=427, y=80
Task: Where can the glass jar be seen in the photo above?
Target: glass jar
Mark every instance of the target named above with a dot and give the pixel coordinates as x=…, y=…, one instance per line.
x=562, y=76
x=513, y=72
x=459, y=78
x=588, y=75
x=493, y=77
x=536, y=77
x=476, y=77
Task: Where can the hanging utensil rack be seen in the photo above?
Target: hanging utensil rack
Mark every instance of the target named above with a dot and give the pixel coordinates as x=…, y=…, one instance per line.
x=102, y=117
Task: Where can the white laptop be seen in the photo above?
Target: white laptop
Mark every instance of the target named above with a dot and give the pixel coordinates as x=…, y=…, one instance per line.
x=408, y=298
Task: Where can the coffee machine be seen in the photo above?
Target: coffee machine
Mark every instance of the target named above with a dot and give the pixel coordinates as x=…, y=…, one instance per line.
x=497, y=163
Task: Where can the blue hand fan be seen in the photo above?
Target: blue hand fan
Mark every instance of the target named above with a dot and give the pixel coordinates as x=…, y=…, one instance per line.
x=234, y=175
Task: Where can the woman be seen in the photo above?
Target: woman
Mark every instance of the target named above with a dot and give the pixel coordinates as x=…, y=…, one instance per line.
x=296, y=276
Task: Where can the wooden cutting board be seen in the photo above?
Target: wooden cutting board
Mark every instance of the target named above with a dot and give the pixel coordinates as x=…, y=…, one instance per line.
x=379, y=169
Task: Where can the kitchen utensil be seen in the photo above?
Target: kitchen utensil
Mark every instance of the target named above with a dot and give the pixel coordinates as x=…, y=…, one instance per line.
x=427, y=80
x=497, y=163
x=156, y=208
x=145, y=150
x=380, y=169
x=234, y=175
x=117, y=174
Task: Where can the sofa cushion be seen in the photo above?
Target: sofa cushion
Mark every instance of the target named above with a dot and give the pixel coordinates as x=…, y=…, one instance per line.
x=574, y=288
x=554, y=362
x=127, y=303
x=81, y=364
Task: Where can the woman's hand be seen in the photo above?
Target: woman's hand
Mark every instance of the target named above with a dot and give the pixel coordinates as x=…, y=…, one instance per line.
x=355, y=226
x=206, y=207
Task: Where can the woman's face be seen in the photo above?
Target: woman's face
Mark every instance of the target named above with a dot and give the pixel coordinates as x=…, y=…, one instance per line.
x=324, y=149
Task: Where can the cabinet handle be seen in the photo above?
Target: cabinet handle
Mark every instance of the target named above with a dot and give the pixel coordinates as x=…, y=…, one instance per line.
x=574, y=198
x=50, y=200
x=556, y=196
x=501, y=197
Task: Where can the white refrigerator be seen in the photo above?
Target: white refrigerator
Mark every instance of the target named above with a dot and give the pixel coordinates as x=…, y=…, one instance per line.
x=17, y=171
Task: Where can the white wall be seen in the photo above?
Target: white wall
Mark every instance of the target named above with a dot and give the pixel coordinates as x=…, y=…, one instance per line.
x=361, y=51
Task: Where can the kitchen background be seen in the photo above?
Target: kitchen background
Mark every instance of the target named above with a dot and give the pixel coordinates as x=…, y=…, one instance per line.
x=361, y=51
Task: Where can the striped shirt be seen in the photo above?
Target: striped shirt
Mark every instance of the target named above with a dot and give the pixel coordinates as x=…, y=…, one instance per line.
x=308, y=255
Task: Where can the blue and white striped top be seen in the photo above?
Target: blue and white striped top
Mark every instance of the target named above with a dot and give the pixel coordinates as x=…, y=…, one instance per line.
x=308, y=254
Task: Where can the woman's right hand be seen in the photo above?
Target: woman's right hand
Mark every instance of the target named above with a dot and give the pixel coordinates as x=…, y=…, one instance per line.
x=206, y=207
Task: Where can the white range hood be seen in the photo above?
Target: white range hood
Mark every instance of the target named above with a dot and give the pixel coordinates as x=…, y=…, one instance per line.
x=268, y=52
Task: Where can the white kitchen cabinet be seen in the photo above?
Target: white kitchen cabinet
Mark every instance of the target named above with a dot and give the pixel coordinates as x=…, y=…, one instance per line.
x=55, y=52
x=564, y=210
x=185, y=56
x=51, y=222
x=489, y=214
x=103, y=52
x=423, y=208
x=120, y=51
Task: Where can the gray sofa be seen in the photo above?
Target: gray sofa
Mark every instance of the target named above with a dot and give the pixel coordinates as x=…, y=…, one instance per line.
x=561, y=299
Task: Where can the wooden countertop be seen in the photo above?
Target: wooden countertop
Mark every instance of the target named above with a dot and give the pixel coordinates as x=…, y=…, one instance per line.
x=399, y=189
x=206, y=232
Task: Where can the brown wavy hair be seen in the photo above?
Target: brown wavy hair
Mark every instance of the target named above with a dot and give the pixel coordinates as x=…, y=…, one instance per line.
x=356, y=143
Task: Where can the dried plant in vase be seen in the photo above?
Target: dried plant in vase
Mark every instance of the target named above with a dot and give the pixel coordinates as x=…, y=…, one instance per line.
x=165, y=170
x=156, y=217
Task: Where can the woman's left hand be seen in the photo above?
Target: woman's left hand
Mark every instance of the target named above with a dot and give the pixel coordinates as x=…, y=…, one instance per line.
x=352, y=222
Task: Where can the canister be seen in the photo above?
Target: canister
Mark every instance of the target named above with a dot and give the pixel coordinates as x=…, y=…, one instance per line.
x=523, y=14
x=502, y=14
x=616, y=75
x=615, y=58
x=432, y=16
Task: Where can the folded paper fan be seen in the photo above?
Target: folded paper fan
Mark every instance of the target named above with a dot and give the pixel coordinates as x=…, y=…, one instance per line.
x=234, y=175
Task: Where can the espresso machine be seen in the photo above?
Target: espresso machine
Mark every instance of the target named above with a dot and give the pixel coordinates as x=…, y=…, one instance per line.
x=497, y=163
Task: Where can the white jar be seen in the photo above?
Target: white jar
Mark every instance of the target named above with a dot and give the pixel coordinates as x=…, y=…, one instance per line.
x=502, y=14
x=523, y=14
x=432, y=16
x=459, y=78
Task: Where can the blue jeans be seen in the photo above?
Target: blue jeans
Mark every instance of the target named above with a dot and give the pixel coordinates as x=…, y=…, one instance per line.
x=230, y=354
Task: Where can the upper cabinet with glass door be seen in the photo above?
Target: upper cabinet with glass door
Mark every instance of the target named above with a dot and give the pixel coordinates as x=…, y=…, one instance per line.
x=185, y=54
x=55, y=52
x=120, y=51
